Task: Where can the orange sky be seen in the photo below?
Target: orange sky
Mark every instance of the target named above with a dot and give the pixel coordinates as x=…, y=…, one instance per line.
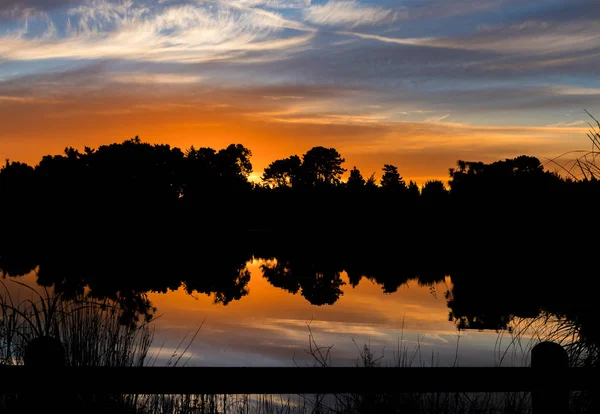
x=270, y=128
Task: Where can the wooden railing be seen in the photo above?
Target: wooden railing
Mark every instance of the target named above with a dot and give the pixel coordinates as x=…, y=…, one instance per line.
x=549, y=379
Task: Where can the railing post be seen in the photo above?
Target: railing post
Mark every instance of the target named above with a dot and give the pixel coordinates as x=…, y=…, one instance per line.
x=43, y=354
x=552, y=360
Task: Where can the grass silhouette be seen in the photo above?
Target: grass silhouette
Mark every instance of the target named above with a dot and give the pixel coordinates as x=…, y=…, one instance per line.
x=584, y=167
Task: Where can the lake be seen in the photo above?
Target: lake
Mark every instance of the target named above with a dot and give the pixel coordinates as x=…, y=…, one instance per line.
x=271, y=326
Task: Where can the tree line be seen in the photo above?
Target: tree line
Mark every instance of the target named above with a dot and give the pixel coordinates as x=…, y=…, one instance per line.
x=136, y=169
x=135, y=180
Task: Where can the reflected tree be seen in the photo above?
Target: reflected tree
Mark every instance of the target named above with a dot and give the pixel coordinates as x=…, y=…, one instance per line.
x=318, y=285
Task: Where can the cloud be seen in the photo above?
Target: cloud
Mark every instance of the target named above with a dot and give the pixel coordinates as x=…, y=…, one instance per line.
x=436, y=9
x=436, y=119
x=155, y=78
x=20, y=8
x=178, y=33
x=272, y=4
x=527, y=37
x=573, y=90
x=560, y=11
x=278, y=98
x=567, y=124
x=324, y=119
x=26, y=100
x=424, y=41
x=19, y=99
x=348, y=13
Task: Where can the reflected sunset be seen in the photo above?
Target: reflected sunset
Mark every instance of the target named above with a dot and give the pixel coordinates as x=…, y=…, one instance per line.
x=269, y=326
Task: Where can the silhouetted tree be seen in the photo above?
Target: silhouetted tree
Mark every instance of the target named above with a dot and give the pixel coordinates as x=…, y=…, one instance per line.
x=434, y=191
x=391, y=179
x=133, y=173
x=283, y=173
x=208, y=171
x=371, y=182
x=522, y=174
x=322, y=166
x=413, y=190
x=355, y=180
x=233, y=164
x=17, y=183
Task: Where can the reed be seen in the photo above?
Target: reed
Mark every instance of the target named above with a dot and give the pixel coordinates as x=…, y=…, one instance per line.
x=582, y=165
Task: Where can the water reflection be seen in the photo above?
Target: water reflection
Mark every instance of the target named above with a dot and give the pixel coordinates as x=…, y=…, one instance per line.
x=275, y=287
x=269, y=326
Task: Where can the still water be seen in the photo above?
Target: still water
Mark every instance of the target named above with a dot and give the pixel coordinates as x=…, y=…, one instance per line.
x=271, y=327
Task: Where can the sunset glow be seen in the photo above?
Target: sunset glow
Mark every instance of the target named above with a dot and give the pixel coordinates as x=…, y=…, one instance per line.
x=418, y=84
x=271, y=326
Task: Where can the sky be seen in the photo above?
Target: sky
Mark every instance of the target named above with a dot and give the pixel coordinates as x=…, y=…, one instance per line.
x=415, y=83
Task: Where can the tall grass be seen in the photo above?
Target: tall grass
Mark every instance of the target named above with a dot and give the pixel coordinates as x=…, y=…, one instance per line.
x=89, y=330
x=512, y=348
x=409, y=402
x=583, y=166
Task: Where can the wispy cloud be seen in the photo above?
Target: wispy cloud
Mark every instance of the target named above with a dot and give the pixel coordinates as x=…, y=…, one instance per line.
x=531, y=37
x=567, y=124
x=424, y=41
x=279, y=98
x=326, y=119
x=273, y=4
x=19, y=9
x=178, y=33
x=436, y=119
x=349, y=13
x=26, y=100
x=574, y=90
x=155, y=78
x=20, y=99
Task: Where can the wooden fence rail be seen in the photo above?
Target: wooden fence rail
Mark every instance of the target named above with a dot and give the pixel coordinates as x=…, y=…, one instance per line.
x=209, y=380
x=549, y=379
